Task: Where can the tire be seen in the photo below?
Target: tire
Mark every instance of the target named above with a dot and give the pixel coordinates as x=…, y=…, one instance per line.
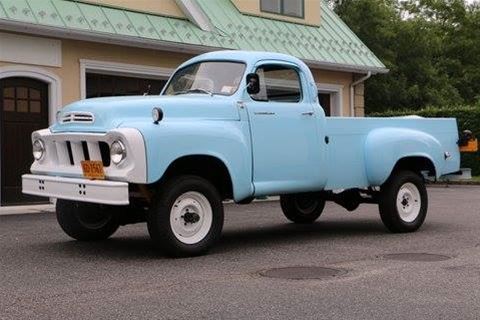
x=174, y=232
x=86, y=221
x=302, y=207
x=403, y=202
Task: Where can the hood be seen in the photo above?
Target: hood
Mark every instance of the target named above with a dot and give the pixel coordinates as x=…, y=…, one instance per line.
x=113, y=112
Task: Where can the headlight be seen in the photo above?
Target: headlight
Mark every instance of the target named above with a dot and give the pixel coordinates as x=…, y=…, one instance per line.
x=117, y=152
x=38, y=149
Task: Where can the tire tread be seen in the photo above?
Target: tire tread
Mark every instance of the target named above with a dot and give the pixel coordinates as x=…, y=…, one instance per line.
x=158, y=220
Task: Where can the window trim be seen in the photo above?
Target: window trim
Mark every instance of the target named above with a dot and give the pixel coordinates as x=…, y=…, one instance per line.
x=336, y=97
x=289, y=66
x=282, y=10
x=119, y=69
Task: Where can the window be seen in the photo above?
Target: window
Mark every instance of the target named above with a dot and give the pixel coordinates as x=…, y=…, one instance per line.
x=213, y=77
x=279, y=84
x=325, y=102
x=330, y=97
x=291, y=8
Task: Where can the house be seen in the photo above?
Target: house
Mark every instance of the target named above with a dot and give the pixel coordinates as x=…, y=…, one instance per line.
x=57, y=51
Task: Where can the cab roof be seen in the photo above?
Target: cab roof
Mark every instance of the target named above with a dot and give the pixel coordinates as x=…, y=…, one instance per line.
x=248, y=57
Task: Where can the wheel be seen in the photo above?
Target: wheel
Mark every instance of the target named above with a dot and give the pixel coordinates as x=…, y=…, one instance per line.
x=186, y=216
x=86, y=221
x=403, y=202
x=302, y=207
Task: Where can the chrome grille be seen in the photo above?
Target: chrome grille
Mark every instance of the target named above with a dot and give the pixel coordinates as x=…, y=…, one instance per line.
x=78, y=117
x=74, y=152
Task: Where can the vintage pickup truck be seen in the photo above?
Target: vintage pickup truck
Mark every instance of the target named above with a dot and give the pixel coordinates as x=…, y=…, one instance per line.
x=231, y=125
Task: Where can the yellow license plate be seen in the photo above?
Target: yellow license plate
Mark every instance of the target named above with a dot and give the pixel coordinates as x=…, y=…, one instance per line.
x=93, y=170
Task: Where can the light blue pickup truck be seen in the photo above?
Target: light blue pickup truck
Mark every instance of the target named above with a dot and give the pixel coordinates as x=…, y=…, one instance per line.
x=231, y=125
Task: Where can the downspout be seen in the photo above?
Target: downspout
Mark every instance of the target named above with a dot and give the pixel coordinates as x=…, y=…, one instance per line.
x=352, y=92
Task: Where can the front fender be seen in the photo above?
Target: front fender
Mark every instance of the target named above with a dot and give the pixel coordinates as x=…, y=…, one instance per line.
x=386, y=146
x=224, y=140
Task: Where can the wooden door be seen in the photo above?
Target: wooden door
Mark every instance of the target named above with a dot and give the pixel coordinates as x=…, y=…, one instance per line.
x=23, y=109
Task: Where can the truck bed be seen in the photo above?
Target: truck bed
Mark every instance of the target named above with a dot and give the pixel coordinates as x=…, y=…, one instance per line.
x=347, y=148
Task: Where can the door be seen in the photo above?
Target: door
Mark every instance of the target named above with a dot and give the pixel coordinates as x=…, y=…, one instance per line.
x=24, y=109
x=285, y=141
x=103, y=85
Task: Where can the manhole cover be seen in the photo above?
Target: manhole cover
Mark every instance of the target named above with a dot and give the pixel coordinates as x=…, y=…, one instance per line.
x=421, y=257
x=302, y=273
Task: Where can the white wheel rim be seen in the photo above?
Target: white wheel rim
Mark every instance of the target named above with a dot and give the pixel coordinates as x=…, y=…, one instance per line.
x=191, y=217
x=409, y=202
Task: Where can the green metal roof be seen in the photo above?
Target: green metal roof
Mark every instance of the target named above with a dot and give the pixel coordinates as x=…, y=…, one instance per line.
x=331, y=44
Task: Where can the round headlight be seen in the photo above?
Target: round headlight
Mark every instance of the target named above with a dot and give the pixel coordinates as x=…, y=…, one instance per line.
x=118, y=152
x=157, y=115
x=38, y=149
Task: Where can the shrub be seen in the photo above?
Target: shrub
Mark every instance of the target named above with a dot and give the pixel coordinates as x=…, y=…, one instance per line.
x=468, y=117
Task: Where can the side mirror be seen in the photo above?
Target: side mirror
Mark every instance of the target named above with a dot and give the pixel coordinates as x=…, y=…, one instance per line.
x=253, y=83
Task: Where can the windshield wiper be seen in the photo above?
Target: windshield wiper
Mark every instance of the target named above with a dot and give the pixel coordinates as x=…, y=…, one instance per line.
x=196, y=90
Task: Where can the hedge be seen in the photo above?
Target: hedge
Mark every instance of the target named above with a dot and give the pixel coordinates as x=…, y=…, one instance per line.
x=468, y=117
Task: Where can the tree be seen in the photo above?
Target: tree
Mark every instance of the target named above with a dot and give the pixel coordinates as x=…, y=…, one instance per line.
x=432, y=48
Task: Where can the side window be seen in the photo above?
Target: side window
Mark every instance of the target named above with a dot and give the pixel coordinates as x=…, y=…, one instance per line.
x=279, y=84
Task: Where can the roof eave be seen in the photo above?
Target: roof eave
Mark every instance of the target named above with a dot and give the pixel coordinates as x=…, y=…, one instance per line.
x=345, y=67
x=84, y=35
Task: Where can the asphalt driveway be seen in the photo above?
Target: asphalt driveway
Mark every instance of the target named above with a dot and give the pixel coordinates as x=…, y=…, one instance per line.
x=44, y=274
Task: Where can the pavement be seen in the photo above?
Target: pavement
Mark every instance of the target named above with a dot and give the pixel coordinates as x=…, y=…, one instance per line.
x=28, y=209
x=46, y=275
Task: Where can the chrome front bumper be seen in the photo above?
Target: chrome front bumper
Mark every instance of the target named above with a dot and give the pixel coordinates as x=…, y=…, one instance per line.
x=96, y=191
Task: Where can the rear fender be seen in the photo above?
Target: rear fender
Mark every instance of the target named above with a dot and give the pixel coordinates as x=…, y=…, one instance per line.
x=386, y=146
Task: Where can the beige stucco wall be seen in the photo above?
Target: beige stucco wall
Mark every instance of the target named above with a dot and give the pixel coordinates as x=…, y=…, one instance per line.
x=311, y=11
x=161, y=7
x=359, y=100
x=73, y=51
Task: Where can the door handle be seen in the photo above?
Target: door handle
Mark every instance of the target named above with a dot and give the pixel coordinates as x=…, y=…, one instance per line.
x=264, y=113
x=307, y=113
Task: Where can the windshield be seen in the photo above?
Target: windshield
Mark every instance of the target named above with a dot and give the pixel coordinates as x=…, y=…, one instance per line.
x=212, y=77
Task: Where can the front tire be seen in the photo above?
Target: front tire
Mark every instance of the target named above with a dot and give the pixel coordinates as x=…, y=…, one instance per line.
x=302, y=207
x=86, y=221
x=186, y=217
x=403, y=202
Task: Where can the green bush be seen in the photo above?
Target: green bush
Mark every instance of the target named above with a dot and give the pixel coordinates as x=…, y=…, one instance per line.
x=468, y=117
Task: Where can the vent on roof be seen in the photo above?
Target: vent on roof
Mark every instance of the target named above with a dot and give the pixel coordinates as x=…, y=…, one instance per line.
x=79, y=117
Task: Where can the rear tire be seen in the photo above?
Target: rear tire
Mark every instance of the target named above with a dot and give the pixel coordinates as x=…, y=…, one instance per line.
x=403, y=202
x=302, y=207
x=186, y=217
x=86, y=221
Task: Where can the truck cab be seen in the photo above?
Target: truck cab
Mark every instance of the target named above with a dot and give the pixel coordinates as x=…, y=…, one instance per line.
x=230, y=125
